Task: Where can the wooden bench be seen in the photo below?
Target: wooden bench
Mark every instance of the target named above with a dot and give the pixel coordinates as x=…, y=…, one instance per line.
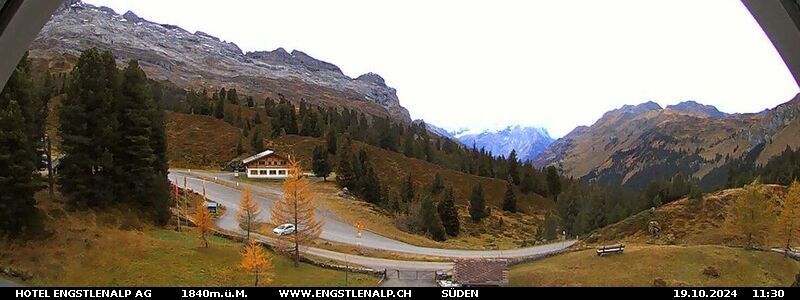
x=610, y=249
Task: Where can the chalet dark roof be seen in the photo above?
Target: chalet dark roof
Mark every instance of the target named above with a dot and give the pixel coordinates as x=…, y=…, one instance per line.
x=480, y=272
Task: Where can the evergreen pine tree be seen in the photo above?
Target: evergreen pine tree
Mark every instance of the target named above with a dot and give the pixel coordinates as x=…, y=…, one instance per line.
x=246, y=129
x=550, y=227
x=18, y=156
x=385, y=201
x=269, y=107
x=257, y=141
x=233, y=97
x=228, y=115
x=408, y=142
x=678, y=188
x=695, y=194
x=568, y=209
x=219, y=107
x=513, y=167
x=160, y=198
x=240, y=121
x=223, y=94
x=553, y=181
x=158, y=131
x=371, y=185
x=330, y=138
x=526, y=186
x=407, y=191
x=360, y=168
x=449, y=213
x=31, y=100
x=430, y=221
x=477, y=204
x=17, y=205
x=345, y=175
x=239, y=147
x=87, y=130
x=320, y=165
x=134, y=158
x=510, y=201
x=437, y=185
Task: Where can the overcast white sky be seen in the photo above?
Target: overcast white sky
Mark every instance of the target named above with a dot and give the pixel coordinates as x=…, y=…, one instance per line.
x=487, y=64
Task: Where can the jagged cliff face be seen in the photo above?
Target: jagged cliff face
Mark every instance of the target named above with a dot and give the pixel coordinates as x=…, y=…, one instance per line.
x=195, y=60
x=636, y=144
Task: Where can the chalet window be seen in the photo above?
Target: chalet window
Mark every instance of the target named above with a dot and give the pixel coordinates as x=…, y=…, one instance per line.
x=271, y=172
x=263, y=172
x=253, y=172
x=281, y=172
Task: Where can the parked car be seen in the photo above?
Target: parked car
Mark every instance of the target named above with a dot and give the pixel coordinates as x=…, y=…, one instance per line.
x=235, y=165
x=285, y=229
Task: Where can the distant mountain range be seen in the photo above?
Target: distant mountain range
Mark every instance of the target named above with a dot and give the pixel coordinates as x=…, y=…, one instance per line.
x=529, y=142
x=635, y=144
x=199, y=60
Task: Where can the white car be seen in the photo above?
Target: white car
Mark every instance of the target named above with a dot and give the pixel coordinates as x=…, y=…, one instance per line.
x=284, y=229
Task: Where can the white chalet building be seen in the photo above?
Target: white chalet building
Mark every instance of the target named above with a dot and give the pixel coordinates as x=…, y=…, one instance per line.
x=266, y=165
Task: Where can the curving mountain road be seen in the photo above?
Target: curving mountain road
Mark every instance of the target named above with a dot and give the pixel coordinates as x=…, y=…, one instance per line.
x=339, y=231
x=7, y=283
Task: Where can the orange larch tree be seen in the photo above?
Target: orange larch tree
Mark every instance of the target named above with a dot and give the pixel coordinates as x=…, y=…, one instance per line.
x=789, y=220
x=203, y=221
x=256, y=261
x=296, y=207
x=751, y=215
x=248, y=211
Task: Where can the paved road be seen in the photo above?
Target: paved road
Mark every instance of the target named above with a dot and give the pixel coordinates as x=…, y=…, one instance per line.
x=6, y=283
x=339, y=231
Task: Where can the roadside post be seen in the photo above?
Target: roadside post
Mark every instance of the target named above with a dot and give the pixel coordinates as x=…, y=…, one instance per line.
x=359, y=229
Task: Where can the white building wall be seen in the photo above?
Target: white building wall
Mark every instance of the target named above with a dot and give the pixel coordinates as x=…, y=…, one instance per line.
x=266, y=173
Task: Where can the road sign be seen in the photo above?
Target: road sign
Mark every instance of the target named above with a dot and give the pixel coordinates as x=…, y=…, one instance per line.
x=359, y=228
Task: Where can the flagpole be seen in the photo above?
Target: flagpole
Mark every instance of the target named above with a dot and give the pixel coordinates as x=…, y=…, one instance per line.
x=178, y=204
x=185, y=199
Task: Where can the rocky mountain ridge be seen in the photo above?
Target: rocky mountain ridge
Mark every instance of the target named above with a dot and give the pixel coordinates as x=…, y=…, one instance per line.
x=196, y=60
x=692, y=107
x=635, y=144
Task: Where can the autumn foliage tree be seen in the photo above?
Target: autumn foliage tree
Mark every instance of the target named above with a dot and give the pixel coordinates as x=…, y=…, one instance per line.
x=248, y=212
x=789, y=220
x=256, y=261
x=751, y=215
x=296, y=207
x=203, y=221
